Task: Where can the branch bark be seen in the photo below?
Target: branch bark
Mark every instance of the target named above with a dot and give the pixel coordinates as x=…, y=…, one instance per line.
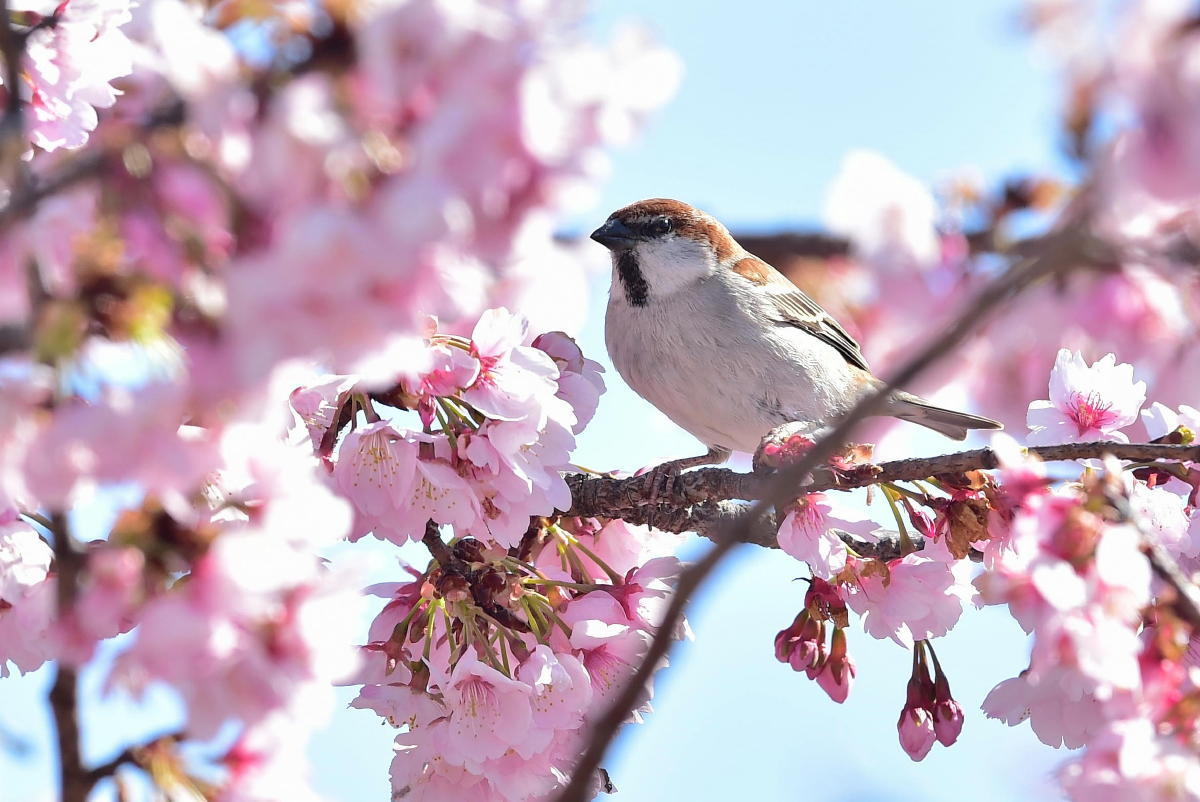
x=74, y=783
x=605, y=496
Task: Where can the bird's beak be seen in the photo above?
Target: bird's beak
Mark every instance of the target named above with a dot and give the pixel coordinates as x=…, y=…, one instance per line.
x=615, y=235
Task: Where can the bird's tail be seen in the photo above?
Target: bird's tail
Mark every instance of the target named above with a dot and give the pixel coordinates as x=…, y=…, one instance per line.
x=915, y=409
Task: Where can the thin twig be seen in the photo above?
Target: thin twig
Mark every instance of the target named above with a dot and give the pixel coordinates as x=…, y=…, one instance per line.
x=1063, y=250
x=1187, y=595
x=437, y=547
x=74, y=784
x=130, y=754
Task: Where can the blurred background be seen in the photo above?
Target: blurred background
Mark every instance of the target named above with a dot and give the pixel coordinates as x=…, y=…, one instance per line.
x=773, y=96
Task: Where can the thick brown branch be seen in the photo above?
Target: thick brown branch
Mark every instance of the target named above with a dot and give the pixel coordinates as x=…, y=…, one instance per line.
x=603, y=496
x=708, y=519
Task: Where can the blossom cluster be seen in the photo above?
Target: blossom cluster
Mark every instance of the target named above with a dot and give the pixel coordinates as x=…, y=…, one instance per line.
x=266, y=192
x=1111, y=667
x=493, y=664
x=493, y=660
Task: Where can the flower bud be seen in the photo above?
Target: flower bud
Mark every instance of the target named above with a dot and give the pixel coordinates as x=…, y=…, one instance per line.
x=808, y=647
x=786, y=640
x=916, y=732
x=947, y=713
x=839, y=671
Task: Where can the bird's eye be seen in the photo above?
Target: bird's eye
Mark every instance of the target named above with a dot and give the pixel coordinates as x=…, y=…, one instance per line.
x=659, y=226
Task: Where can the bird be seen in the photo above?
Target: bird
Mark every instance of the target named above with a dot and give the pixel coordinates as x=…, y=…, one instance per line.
x=723, y=344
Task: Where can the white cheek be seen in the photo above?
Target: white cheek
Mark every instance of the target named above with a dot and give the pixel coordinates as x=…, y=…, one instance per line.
x=672, y=263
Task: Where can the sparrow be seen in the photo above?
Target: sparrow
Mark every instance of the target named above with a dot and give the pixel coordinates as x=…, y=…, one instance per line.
x=725, y=346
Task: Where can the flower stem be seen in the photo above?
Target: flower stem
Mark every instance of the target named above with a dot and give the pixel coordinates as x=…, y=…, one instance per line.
x=906, y=544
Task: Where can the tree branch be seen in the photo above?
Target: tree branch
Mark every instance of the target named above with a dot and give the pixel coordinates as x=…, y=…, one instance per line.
x=130, y=754
x=437, y=547
x=74, y=784
x=1062, y=250
x=605, y=496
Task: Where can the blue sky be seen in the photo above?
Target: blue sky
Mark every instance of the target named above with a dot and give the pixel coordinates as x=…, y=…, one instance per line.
x=774, y=94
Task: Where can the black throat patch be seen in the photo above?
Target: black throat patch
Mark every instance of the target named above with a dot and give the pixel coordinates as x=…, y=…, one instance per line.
x=637, y=292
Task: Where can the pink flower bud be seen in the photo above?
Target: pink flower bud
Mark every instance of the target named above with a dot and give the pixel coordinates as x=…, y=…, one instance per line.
x=809, y=648
x=947, y=721
x=837, y=678
x=947, y=713
x=817, y=664
x=836, y=681
x=786, y=640
x=839, y=670
x=916, y=732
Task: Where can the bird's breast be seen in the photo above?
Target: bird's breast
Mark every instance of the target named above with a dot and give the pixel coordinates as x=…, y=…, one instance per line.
x=717, y=369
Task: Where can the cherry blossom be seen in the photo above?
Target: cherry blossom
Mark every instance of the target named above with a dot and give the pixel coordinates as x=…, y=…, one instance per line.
x=807, y=532
x=513, y=379
x=1130, y=761
x=71, y=65
x=488, y=713
x=921, y=598
x=888, y=215
x=26, y=596
x=1087, y=402
x=1160, y=420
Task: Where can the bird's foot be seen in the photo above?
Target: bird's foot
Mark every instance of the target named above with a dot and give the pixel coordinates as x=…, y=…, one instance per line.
x=661, y=479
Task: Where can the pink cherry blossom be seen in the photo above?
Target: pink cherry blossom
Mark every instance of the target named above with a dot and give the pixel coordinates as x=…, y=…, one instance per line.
x=923, y=598
x=27, y=597
x=26, y=629
x=70, y=67
x=1160, y=420
x=807, y=532
x=269, y=762
x=1087, y=402
x=579, y=380
x=837, y=675
x=887, y=214
x=395, y=491
x=256, y=627
x=317, y=404
x=24, y=557
x=125, y=437
x=513, y=379
x=622, y=546
x=376, y=468
x=489, y=713
x=1058, y=706
x=108, y=602
x=1130, y=762
x=608, y=645
x=561, y=688
x=1164, y=513
x=291, y=284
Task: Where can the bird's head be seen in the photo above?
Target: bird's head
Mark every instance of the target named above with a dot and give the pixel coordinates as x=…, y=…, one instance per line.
x=660, y=246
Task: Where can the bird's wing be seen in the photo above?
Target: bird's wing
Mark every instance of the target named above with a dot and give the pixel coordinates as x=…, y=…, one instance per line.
x=793, y=307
